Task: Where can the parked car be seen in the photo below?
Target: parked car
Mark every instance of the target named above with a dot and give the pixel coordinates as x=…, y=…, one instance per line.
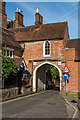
x=49, y=85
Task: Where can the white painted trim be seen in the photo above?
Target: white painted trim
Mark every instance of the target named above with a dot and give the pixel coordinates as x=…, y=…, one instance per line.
x=6, y=53
x=10, y=50
x=44, y=50
x=23, y=61
x=24, y=64
x=34, y=74
x=9, y=53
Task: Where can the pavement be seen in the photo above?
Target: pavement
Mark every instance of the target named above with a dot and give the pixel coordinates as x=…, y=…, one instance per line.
x=74, y=104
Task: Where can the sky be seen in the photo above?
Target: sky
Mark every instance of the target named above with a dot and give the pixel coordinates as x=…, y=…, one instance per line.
x=52, y=12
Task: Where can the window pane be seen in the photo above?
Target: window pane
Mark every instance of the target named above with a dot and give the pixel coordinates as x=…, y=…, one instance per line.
x=45, y=52
x=47, y=48
x=10, y=53
x=48, y=52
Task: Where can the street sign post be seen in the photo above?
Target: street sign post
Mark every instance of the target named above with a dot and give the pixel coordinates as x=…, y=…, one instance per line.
x=66, y=77
x=66, y=70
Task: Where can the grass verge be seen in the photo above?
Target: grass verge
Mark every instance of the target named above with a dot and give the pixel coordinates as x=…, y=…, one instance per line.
x=76, y=95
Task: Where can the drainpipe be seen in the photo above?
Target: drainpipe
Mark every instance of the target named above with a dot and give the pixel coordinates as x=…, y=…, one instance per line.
x=32, y=76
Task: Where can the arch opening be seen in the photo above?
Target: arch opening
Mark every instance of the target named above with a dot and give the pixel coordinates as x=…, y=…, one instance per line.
x=42, y=80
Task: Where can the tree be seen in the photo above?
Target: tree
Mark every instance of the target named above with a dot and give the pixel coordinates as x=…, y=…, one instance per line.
x=8, y=66
x=52, y=72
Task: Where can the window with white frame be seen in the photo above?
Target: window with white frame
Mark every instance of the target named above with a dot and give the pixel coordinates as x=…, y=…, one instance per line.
x=8, y=52
x=46, y=49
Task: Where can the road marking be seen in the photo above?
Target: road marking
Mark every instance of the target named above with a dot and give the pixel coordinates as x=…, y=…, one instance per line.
x=73, y=107
x=25, y=96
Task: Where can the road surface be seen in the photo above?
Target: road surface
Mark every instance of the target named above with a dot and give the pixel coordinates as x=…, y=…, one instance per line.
x=44, y=105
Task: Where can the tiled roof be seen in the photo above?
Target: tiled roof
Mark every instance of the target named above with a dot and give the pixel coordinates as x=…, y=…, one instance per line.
x=8, y=38
x=18, y=61
x=74, y=43
x=45, y=31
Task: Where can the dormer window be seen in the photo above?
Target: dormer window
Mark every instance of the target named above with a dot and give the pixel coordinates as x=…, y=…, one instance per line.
x=8, y=52
x=46, y=49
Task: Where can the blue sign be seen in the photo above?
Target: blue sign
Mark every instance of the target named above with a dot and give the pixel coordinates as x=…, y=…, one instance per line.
x=66, y=76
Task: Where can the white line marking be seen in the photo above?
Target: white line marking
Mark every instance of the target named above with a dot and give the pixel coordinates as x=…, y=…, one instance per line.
x=73, y=107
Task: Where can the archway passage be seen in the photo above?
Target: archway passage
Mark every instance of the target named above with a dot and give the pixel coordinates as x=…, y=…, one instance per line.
x=42, y=80
x=52, y=78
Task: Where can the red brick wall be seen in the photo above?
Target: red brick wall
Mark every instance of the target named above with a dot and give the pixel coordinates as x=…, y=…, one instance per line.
x=78, y=76
x=4, y=20
x=66, y=35
x=69, y=55
x=3, y=6
x=4, y=16
x=73, y=79
x=34, y=50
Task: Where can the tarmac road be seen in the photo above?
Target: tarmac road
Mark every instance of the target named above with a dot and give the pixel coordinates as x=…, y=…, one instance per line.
x=44, y=105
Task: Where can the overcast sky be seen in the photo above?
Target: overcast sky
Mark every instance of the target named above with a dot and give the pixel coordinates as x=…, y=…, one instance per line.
x=52, y=12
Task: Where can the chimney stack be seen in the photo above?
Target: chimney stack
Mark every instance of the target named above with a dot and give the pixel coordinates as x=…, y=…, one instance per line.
x=39, y=18
x=21, y=12
x=4, y=15
x=19, y=16
x=4, y=7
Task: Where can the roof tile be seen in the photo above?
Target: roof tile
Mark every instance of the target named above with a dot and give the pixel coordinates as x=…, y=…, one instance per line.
x=45, y=31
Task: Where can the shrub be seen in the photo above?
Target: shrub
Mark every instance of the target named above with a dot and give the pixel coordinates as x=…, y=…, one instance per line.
x=78, y=93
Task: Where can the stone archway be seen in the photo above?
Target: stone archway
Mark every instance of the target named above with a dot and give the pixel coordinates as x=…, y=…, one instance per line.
x=35, y=70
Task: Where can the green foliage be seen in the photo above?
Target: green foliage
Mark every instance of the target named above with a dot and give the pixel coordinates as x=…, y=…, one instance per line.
x=7, y=95
x=78, y=94
x=8, y=66
x=53, y=72
x=4, y=51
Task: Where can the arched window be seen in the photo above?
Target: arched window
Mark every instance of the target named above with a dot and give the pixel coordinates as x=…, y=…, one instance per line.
x=46, y=49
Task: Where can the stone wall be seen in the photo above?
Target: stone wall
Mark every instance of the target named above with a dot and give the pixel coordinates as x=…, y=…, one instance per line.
x=26, y=90
x=11, y=92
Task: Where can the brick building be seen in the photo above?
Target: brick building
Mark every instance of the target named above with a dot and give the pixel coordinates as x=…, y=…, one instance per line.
x=13, y=50
x=46, y=46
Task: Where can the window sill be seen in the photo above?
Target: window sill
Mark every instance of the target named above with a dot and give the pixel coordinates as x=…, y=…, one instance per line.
x=46, y=56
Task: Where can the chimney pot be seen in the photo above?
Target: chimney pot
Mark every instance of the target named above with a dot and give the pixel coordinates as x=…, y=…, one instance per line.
x=37, y=9
x=19, y=10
